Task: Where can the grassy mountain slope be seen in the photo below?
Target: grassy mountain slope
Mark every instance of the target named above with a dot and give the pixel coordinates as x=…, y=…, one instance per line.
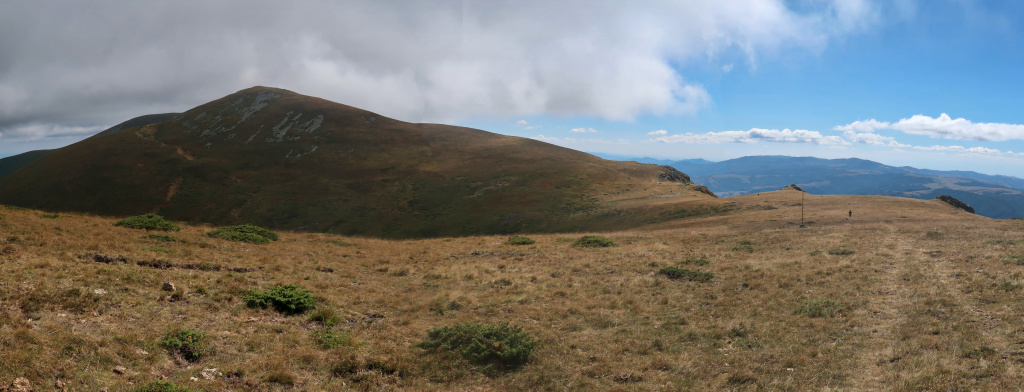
x=11, y=164
x=906, y=295
x=991, y=196
x=284, y=160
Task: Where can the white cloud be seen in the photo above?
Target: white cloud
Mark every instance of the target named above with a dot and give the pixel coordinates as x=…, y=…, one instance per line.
x=437, y=61
x=583, y=130
x=755, y=135
x=37, y=131
x=962, y=149
x=942, y=127
x=872, y=139
x=863, y=126
x=526, y=125
x=658, y=132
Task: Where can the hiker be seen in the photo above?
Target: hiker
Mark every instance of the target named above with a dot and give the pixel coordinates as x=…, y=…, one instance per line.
x=851, y=213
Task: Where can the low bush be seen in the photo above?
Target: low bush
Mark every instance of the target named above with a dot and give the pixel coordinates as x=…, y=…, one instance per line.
x=245, y=233
x=190, y=344
x=1017, y=259
x=148, y=222
x=691, y=275
x=50, y=215
x=520, y=240
x=288, y=299
x=497, y=347
x=820, y=308
x=594, y=241
x=840, y=252
x=163, y=386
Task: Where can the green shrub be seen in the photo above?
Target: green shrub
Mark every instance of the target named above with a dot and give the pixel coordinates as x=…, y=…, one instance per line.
x=820, y=308
x=50, y=215
x=520, y=240
x=288, y=299
x=163, y=386
x=691, y=275
x=840, y=252
x=594, y=241
x=1017, y=259
x=188, y=343
x=148, y=222
x=497, y=347
x=245, y=233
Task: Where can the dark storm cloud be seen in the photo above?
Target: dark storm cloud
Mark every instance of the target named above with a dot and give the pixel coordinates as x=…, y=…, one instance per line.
x=70, y=68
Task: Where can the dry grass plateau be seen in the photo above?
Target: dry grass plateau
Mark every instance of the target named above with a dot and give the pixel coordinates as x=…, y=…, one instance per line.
x=905, y=295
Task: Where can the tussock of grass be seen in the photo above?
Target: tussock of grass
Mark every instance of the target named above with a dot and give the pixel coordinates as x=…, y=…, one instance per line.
x=520, y=240
x=820, y=308
x=842, y=251
x=148, y=222
x=593, y=241
x=698, y=261
x=245, y=233
x=690, y=275
x=288, y=299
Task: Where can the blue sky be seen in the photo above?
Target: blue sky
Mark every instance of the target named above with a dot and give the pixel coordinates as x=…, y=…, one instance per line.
x=931, y=84
x=960, y=58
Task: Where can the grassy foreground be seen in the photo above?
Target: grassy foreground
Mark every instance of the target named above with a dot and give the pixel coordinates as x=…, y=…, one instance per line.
x=907, y=295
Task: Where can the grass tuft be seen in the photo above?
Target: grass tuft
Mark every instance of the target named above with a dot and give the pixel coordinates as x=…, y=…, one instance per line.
x=520, y=240
x=690, y=275
x=820, y=308
x=842, y=251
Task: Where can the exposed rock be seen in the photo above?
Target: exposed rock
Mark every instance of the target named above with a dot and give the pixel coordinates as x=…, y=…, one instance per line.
x=956, y=203
x=211, y=374
x=99, y=291
x=20, y=384
x=168, y=286
x=703, y=189
x=792, y=187
x=120, y=369
x=672, y=175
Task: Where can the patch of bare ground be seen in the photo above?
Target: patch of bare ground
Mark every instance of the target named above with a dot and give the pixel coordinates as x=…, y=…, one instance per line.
x=903, y=295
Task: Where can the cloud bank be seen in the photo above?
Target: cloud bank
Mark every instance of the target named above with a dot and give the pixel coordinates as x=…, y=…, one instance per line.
x=755, y=135
x=942, y=127
x=82, y=64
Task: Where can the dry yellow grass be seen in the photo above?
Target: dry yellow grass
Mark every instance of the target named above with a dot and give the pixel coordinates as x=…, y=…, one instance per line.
x=931, y=300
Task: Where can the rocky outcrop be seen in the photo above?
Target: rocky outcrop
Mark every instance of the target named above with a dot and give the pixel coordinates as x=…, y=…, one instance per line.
x=703, y=189
x=792, y=187
x=672, y=175
x=956, y=203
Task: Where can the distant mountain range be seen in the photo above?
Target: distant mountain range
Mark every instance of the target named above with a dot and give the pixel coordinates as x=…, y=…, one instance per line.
x=992, y=196
x=283, y=160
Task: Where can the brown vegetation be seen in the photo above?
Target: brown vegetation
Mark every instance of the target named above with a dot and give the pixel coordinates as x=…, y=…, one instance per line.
x=929, y=299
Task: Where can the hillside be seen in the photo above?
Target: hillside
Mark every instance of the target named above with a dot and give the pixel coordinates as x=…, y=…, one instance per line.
x=283, y=160
x=13, y=163
x=906, y=295
x=992, y=196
